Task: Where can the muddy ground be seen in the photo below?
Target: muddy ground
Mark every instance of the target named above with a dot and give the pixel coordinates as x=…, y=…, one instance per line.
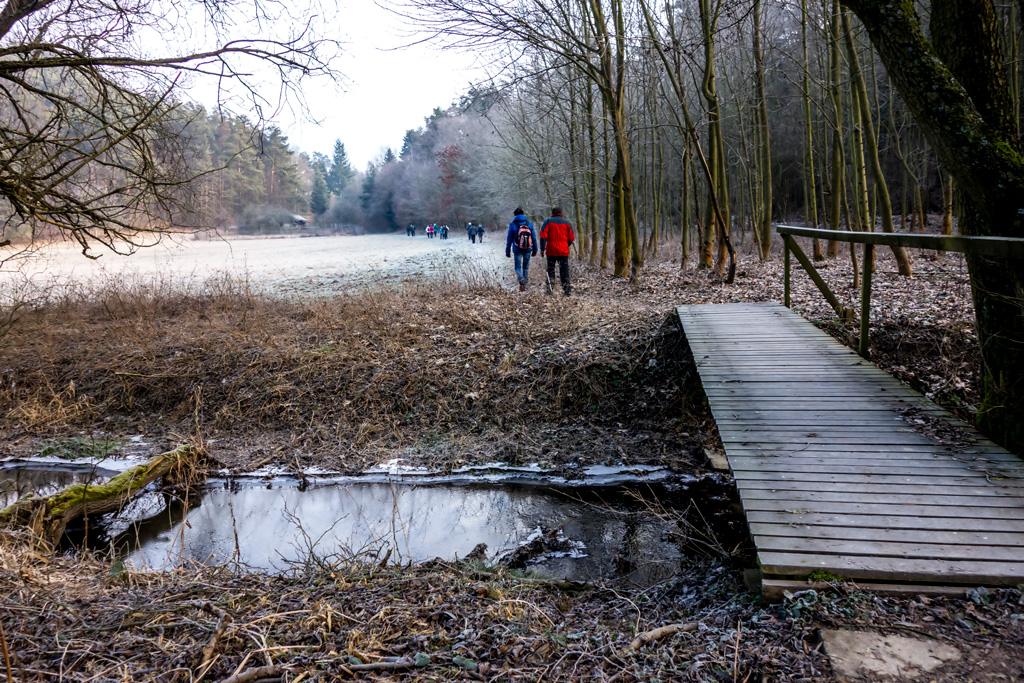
x=444, y=365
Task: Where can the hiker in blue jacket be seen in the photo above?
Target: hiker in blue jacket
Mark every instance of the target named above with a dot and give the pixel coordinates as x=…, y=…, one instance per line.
x=521, y=241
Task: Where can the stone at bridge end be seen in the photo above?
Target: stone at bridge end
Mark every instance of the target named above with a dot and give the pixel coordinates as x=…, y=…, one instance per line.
x=716, y=460
x=876, y=657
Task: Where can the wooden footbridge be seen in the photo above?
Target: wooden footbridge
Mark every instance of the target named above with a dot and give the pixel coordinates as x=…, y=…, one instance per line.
x=845, y=471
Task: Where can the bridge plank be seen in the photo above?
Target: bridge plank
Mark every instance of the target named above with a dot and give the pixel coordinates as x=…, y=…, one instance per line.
x=935, y=467
x=942, y=509
x=958, y=538
x=963, y=500
x=803, y=519
x=905, y=548
x=753, y=486
x=812, y=478
x=894, y=569
x=870, y=458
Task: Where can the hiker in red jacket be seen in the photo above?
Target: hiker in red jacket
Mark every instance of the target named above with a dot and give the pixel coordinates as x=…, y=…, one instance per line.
x=556, y=236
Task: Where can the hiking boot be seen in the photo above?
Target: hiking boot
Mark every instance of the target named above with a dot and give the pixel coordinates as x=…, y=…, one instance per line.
x=522, y=286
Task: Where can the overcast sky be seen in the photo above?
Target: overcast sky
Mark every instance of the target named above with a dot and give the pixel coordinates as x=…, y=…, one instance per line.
x=388, y=91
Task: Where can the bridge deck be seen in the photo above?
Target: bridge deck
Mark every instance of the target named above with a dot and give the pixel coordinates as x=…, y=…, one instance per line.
x=844, y=469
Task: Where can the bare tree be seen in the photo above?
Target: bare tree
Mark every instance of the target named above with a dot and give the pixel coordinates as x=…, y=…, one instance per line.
x=94, y=146
x=588, y=34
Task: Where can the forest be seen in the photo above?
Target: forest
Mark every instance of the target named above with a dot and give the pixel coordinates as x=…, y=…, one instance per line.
x=781, y=113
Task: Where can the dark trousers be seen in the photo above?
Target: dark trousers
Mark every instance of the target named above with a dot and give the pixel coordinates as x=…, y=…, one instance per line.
x=563, y=271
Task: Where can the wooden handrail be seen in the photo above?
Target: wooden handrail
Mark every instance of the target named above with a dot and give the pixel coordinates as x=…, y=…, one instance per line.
x=1009, y=247
x=1006, y=247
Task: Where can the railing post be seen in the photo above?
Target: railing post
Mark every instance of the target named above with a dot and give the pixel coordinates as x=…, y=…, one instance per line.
x=785, y=252
x=865, y=298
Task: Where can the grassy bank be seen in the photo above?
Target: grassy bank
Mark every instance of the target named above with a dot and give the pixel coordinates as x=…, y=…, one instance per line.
x=462, y=371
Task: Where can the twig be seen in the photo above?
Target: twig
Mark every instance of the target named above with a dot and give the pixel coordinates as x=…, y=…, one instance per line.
x=383, y=666
x=7, y=656
x=256, y=674
x=736, y=653
x=655, y=634
x=211, y=647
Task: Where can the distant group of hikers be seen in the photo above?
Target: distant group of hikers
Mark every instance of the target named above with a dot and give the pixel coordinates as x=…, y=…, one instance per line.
x=433, y=230
x=556, y=239
x=475, y=232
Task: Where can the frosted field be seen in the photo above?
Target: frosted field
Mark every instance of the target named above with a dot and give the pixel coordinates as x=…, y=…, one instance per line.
x=283, y=265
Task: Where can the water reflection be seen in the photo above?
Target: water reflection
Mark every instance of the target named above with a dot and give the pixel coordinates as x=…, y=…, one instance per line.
x=17, y=480
x=272, y=529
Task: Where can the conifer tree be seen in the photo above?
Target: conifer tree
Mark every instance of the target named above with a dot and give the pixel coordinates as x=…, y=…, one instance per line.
x=341, y=170
x=319, y=198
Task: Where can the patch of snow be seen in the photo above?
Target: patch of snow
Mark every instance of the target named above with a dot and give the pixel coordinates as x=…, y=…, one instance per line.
x=108, y=464
x=395, y=466
x=395, y=471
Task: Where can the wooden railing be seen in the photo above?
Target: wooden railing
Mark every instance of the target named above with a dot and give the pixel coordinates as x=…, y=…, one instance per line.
x=1006, y=247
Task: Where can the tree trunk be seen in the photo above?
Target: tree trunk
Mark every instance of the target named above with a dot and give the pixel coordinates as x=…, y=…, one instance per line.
x=810, y=189
x=838, y=179
x=959, y=95
x=765, y=157
x=947, y=204
x=716, y=147
x=592, y=177
x=612, y=50
x=574, y=153
x=861, y=203
x=608, y=192
x=882, y=188
x=685, y=232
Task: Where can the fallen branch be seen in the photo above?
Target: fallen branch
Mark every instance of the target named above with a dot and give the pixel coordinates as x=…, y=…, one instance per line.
x=560, y=584
x=46, y=518
x=655, y=634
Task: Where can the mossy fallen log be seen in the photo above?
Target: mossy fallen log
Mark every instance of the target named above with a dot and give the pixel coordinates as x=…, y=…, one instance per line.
x=47, y=517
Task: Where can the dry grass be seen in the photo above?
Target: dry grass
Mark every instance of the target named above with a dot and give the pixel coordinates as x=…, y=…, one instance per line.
x=451, y=370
